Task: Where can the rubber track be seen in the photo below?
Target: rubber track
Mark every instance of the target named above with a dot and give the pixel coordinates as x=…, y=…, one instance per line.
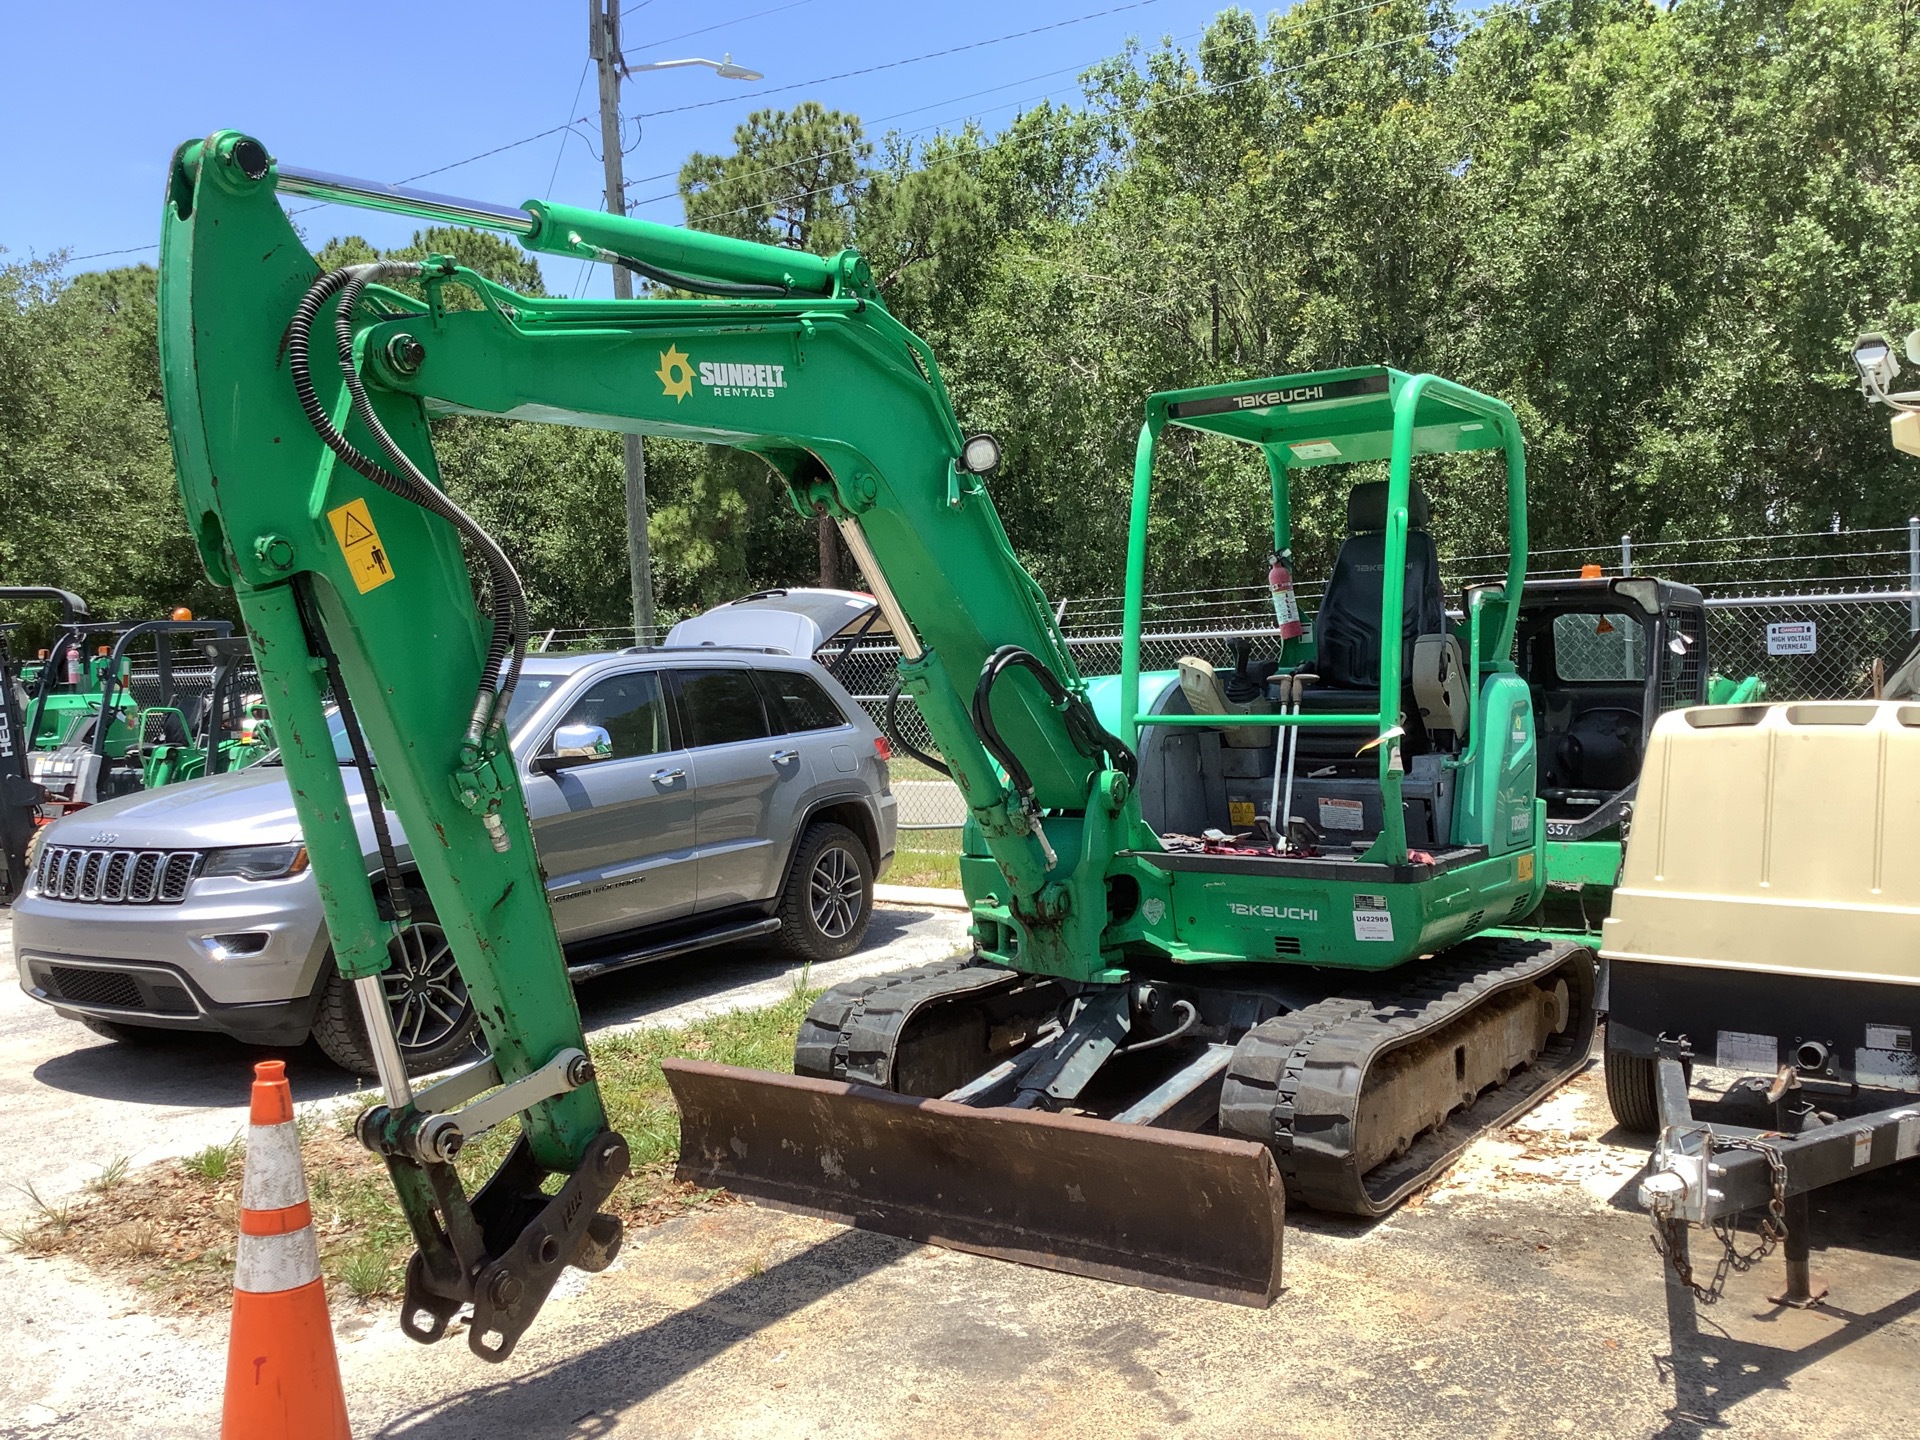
x=851, y=1032
x=1296, y=1081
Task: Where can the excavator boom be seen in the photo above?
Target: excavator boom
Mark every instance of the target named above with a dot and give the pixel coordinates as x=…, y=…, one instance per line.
x=300, y=406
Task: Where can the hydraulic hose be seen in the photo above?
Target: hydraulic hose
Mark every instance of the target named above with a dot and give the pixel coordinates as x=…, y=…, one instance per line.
x=506, y=646
x=899, y=741
x=1089, y=736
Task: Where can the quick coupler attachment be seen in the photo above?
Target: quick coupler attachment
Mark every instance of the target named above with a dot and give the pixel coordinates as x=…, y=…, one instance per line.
x=502, y=1250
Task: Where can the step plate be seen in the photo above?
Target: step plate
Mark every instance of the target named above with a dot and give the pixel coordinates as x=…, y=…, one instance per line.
x=1190, y=1214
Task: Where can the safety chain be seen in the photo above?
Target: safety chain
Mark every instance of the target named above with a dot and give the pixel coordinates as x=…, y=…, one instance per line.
x=1773, y=1225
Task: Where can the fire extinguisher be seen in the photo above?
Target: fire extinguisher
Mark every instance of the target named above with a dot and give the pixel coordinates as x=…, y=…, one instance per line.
x=1286, y=610
x=73, y=664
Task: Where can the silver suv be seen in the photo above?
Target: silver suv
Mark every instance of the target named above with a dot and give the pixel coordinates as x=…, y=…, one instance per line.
x=679, y=800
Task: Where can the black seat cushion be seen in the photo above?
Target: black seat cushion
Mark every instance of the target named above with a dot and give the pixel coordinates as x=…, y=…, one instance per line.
x=1347, y=629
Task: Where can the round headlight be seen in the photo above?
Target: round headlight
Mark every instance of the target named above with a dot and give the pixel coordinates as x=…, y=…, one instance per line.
x=980, y=454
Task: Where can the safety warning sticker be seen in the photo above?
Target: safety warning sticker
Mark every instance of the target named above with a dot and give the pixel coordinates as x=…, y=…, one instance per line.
x=1314, y=450
x=1738, y=1050
x=1371, y=918
x=367, y=558
x=1342, y=815
x=1240, y=812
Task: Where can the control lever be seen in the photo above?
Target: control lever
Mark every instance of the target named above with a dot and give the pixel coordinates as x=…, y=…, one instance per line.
x=1293, y=689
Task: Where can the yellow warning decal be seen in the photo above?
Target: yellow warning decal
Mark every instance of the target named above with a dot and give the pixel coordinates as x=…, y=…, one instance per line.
x=367, y=558
x=1523, y=868
x=1240, y=812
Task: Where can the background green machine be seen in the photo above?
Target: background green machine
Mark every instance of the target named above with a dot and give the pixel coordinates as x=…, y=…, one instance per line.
x=1149, y=1030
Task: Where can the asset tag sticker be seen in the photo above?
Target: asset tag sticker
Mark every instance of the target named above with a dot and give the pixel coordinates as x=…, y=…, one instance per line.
x=1342, y=815
x=366, y=557
x=1738, y=1050
x=1314, y=450
x=1240, y=812
x=1890, y=1037
x=1372, y=920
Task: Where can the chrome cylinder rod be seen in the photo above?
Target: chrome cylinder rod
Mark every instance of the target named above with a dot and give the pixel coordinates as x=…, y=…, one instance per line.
x=388, y=1063
x=423, y=204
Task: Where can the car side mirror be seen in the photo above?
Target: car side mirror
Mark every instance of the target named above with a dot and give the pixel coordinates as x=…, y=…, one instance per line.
x=575, y=745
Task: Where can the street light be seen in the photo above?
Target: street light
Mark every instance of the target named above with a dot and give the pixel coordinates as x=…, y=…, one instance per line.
x=723, y=67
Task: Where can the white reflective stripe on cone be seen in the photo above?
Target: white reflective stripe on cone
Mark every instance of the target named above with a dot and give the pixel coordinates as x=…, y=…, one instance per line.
x=268, y=1264
x=273, y=1179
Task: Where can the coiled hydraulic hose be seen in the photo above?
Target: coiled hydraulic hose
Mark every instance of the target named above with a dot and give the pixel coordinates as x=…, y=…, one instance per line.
x=1089, y=736
x=507, y=600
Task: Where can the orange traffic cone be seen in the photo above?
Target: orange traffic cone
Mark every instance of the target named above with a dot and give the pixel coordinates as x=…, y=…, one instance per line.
x=283, y=1377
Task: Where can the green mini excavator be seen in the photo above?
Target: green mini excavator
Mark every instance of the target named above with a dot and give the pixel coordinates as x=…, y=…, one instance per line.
x=1167, y=1025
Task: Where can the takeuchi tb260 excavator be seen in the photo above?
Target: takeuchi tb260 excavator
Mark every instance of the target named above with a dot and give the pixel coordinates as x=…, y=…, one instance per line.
x=1161, y=1033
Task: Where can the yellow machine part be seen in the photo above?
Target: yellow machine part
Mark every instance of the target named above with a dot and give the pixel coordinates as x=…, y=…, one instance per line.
x=1779, y=839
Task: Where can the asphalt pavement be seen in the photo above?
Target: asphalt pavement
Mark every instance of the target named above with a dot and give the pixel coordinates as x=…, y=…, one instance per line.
x=1518, y=1297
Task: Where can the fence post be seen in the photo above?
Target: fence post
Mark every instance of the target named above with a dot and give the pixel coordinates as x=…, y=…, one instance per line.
x=1913, y=573
x=1627, y=632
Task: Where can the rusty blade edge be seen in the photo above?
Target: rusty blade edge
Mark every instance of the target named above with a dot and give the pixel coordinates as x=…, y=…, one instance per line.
x=1233, y=1255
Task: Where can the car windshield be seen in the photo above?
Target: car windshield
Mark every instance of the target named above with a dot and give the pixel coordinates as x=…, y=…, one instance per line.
x=527, y=696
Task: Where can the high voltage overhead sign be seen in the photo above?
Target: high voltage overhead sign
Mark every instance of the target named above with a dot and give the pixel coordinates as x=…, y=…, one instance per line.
x=366, y=557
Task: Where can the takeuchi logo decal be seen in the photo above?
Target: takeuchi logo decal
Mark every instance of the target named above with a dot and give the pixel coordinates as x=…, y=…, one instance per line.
x=679, y=373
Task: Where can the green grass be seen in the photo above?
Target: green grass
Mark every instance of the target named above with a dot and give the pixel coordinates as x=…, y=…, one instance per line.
x=365, y=1242
x=170, y=1227
x=215, y=1162
x=926, y=857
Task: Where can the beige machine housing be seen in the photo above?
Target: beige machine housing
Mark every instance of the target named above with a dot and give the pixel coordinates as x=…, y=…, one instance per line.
x=1778, y=839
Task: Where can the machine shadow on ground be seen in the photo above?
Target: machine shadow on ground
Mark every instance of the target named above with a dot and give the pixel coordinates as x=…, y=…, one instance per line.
x=586, y=1393
x=196, y=1071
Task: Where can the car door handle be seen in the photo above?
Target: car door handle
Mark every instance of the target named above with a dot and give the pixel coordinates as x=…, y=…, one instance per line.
x=781, y=757
x=667, y=777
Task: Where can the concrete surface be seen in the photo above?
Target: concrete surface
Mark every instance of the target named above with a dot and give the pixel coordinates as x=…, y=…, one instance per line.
x=921, y=897
x=1518, y=1297
x=77, y=1102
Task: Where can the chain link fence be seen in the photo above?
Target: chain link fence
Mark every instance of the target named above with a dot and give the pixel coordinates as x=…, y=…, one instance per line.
x=1818, y=617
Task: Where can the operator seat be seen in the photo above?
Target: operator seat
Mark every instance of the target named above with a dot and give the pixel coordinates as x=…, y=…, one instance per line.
x=1347, y=628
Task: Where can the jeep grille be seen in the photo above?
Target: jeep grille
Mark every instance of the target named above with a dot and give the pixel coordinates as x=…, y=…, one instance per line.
x=116, y=877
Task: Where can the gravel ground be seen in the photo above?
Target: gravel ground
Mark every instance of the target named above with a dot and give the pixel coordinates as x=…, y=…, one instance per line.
x=1518, y=1297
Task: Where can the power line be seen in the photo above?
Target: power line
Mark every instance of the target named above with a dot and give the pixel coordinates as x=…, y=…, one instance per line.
x=709, y=29
x=896, y=64
x=932, y=127
x=561, y=154
x=1214, y=91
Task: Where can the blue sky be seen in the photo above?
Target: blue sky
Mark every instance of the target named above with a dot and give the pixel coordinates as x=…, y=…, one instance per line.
x=96, y=97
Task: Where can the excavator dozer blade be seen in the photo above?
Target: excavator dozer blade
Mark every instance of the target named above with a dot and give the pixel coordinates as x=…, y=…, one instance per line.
x=1192, y=1214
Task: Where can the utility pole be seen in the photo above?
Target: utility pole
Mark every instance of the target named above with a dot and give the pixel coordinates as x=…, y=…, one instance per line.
x=603, y=42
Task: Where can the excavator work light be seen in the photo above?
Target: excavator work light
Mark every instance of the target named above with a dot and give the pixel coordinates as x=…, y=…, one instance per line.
x=981, y=454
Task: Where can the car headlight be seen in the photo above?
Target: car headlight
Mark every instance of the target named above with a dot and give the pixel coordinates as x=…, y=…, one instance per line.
x=257, y=862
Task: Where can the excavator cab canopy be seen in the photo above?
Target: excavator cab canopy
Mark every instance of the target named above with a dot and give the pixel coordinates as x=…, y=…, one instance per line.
x=1341, y=417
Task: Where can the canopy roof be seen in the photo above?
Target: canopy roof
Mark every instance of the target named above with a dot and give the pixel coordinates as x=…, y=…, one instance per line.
x=1334, y=417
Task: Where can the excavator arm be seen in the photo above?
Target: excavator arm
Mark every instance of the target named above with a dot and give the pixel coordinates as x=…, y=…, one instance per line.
x=300, y=406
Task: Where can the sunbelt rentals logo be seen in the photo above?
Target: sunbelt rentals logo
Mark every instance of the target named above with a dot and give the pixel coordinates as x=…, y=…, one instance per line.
x=679, y=373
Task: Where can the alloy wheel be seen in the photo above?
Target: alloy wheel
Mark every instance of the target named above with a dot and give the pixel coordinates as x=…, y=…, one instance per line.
x=834, y=892
x=425, y=993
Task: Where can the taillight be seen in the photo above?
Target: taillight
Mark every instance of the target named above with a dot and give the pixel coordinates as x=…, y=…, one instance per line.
x=883, y=747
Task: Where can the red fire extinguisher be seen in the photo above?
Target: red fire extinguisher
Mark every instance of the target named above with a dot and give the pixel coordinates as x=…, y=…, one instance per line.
x=1286, y=610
